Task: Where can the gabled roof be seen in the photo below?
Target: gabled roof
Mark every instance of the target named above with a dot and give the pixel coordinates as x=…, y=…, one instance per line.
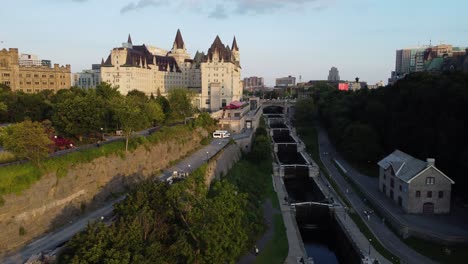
x=179, y=41
x=434, y=168
x=404, y=166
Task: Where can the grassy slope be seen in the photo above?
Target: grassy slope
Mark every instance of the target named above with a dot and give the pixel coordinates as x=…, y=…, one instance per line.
x=16, y=178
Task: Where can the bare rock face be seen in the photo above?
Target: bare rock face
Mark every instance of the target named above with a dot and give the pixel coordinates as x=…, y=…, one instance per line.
x=53, y=201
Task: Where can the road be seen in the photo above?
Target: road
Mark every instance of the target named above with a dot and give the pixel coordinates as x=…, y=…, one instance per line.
x=377, y=226
x=58, y=237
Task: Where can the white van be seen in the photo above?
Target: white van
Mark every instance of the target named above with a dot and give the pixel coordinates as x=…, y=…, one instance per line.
x=221, y=134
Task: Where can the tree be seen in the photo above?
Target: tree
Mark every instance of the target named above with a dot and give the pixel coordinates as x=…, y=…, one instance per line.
x=153, y=112
x=180, y=101
x=27, y=140
x=305, y=111
x=3, y=107
x=164, y=103
x=139, y=94
x=131, y=116
x=80, y=115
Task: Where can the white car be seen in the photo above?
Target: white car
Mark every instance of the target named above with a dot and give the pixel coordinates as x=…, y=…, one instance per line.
x=221, y=134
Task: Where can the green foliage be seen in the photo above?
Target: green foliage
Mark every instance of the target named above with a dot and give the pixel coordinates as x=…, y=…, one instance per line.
x=80, y=115
x=27, y=140
x=159, y=223
x=6, y=156
x=180, y=101
x=277, y=248
x=16, y=178
x=422, y=114
x=205, y=141
x=305, y=110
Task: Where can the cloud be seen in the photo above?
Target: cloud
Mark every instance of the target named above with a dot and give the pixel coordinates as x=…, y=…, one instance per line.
x=221, y=9
x=245, y=7
x=132, y=6
x=219, y=12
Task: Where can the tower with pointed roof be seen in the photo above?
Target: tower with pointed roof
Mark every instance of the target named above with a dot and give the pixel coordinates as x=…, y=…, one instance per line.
x=235, y=51
x=220, y=75
x=178, y=51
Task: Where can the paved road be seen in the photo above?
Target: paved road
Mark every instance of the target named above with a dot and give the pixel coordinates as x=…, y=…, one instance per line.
x=58, y=237
x=380, y=230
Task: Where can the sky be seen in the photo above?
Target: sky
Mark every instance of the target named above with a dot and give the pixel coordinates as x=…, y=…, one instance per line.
x=276, y=38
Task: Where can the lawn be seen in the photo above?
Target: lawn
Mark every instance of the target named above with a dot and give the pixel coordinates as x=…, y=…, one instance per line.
x=444, y=254
x=277, y=248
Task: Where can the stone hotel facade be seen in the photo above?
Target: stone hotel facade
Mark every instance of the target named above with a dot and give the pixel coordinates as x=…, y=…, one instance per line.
x=214, y=76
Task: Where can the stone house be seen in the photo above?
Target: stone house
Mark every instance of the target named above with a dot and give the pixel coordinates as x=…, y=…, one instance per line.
x=417, y=186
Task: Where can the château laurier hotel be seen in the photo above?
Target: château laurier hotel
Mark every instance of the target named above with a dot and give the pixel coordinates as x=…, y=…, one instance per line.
x=214, y=76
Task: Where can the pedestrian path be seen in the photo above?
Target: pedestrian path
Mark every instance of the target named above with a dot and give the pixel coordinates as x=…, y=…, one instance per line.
x=296, y=246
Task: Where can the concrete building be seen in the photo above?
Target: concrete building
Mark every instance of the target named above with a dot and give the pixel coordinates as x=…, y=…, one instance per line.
x=29, y=76
x=286, y=81
x=214, y=77
x=418, y=187
x=424, y=58
x=238, y=116
x=333, y=75
x=88, y=78
x=254, y=83
x=375, y=86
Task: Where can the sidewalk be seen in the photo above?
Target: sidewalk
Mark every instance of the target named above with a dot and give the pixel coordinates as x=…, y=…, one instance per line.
x=296, y=246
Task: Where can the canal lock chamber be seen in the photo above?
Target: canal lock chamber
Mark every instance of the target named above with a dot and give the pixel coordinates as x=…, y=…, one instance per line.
x=323, y=237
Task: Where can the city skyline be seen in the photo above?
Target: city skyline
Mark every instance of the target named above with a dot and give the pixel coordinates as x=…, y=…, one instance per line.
x=310, y=36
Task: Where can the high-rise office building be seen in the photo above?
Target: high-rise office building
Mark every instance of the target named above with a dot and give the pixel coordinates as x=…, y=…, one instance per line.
x=334, y=74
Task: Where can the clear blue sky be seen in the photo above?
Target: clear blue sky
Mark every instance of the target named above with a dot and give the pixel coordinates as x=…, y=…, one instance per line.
x=276, y=37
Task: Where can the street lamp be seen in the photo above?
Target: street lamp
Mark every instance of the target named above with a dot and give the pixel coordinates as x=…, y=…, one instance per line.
x=207, y=155
x=370, y=240
x=102, y=133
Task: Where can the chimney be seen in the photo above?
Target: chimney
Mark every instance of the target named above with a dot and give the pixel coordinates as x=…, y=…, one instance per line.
x=430, y=162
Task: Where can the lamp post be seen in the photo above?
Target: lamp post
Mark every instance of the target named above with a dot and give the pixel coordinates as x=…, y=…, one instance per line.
x=102, y=133
x=207, y=155
x=370, y=240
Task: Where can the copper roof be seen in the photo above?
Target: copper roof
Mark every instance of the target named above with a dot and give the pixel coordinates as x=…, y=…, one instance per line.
x=179, y=42
x=234, y=45
x=224, y=53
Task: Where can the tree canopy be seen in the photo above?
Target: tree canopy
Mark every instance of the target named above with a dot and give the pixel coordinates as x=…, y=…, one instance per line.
x=423, y=115
x=27, y=140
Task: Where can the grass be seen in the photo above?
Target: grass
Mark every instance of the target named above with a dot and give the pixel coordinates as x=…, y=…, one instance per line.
x=17, y=178
x=458, y=253
x=310, y=138
x=6, y=157
x=255, y=179
x=277, y=248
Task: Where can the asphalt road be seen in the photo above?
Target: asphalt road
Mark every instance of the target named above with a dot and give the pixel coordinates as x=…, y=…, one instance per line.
x=56, y=238
x=378, y=227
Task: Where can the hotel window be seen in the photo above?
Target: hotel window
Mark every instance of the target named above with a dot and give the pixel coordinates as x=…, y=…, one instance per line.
x=430, y=180
x=28, y=90
x=28, y=75
x=51, y=76
x=37, y=83
x=51, y=83
x=392, y=183
x=441, y=194
x=429, y=194
x=44, y=76
x=36, y=75
x=418, y=194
